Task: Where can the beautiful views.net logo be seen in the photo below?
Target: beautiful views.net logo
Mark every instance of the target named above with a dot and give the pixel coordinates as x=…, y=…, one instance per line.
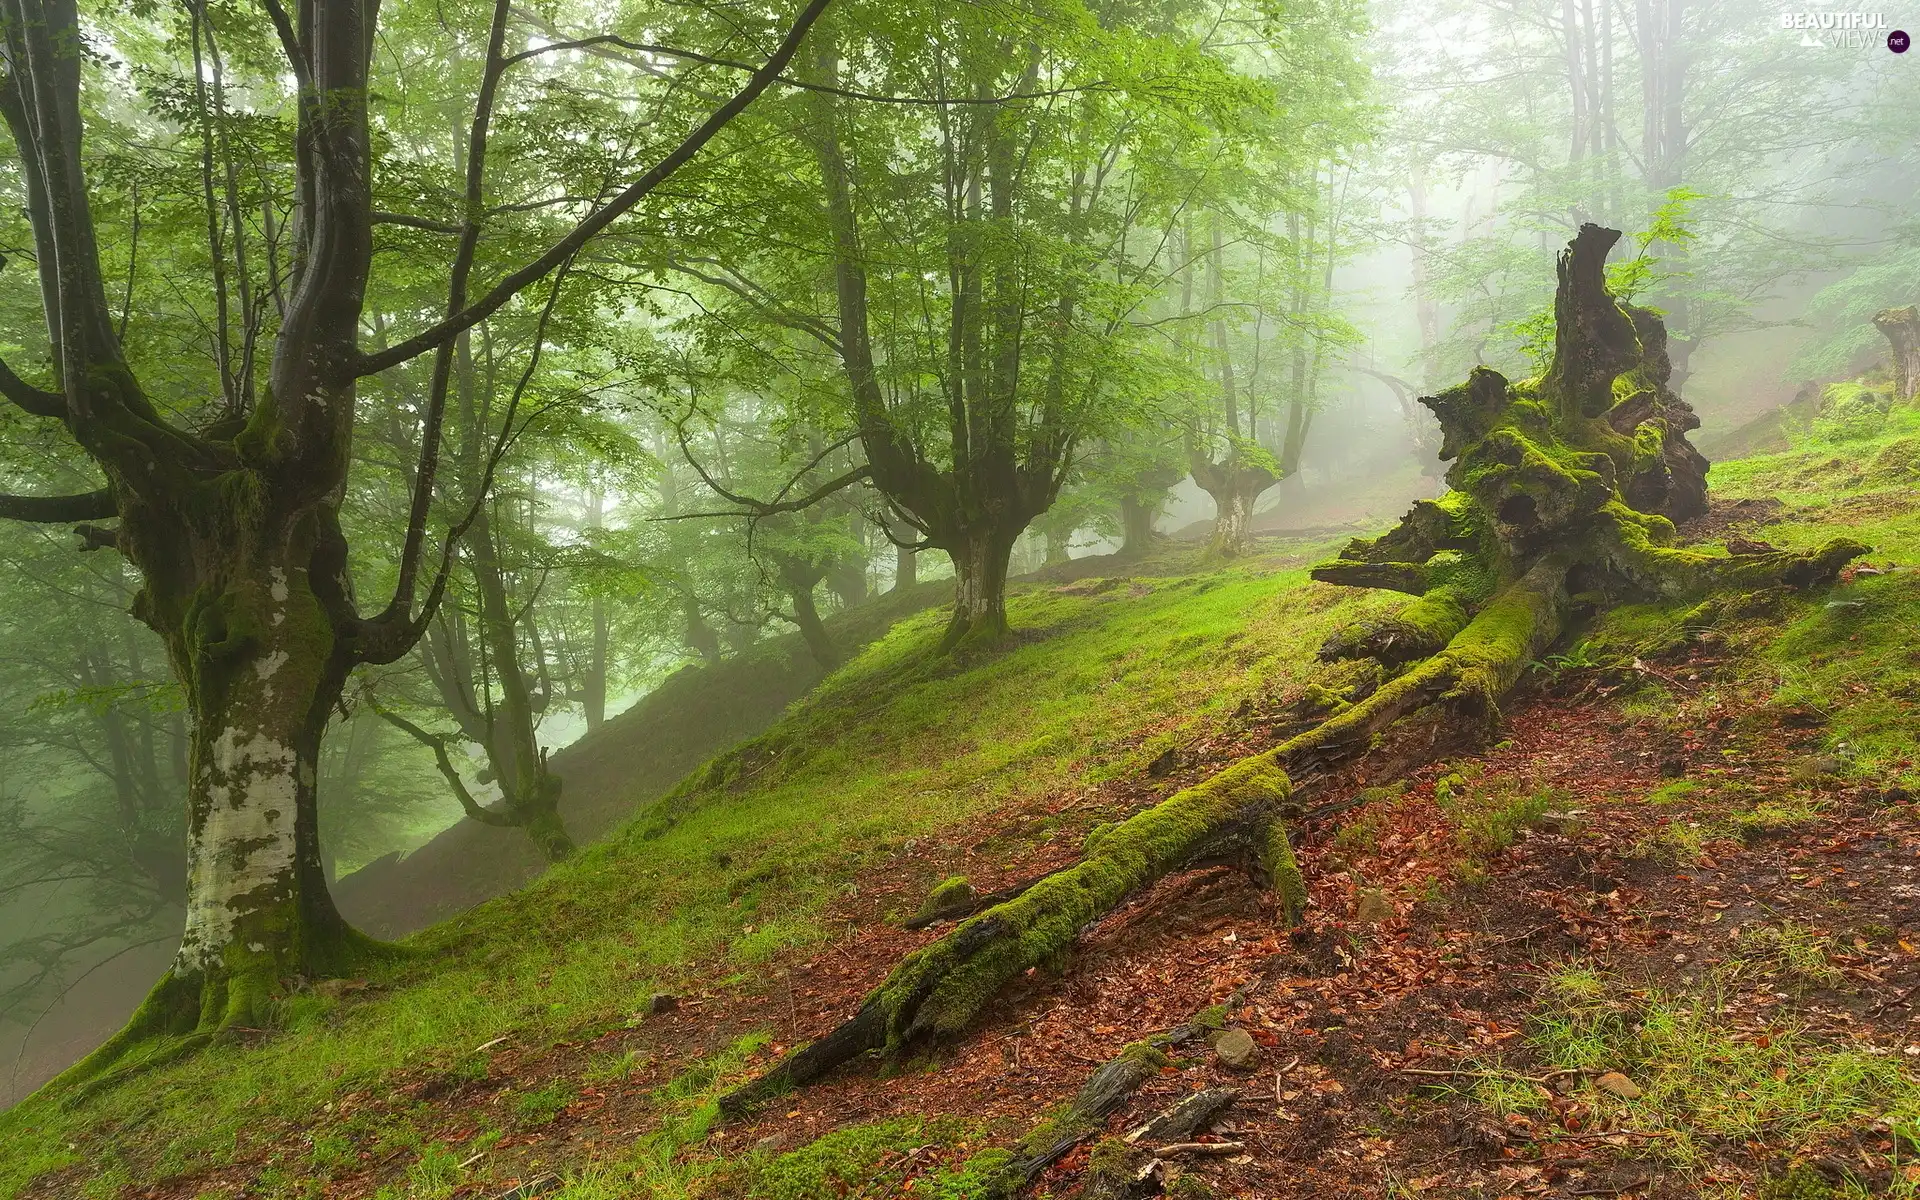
x=1851, y=30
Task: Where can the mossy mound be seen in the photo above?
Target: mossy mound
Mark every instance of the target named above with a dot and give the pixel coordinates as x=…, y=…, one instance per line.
x=1898, y=462
x=1853, y=410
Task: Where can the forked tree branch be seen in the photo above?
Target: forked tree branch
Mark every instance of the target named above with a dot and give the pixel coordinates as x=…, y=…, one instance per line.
x=426, y=473
x=391, y=634
x=751, y=507
x=438, y=744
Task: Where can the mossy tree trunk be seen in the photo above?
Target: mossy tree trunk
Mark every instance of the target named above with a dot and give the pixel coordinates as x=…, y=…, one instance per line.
x=801, y=576
x=1538, y=513
x=980, y=555
x=265, y=664
x=1901, y=327
x=1138, y=512
x=1236, y=487
x=233, y=523
x=529, y=792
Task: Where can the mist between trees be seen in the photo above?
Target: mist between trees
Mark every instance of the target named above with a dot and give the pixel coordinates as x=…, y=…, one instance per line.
x=395, y=392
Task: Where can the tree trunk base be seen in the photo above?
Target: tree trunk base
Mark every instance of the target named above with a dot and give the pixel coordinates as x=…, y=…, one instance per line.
x=186, y=1011
x=967, y=631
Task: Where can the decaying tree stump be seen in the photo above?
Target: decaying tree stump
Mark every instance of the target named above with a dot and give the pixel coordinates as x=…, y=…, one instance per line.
x=1902, y=329
x=1567, y=485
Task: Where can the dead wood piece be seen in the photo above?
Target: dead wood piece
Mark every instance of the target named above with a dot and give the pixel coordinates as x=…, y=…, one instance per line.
x=1186, y=1118
x=978, y=902
x=1109, y=1087
x=1207, y=1148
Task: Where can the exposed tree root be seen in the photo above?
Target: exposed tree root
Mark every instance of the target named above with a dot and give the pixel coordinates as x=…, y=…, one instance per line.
x=1545, y=481
x=186, y=1011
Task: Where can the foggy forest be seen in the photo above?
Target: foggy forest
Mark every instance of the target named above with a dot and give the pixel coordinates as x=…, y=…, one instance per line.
x=998, y=598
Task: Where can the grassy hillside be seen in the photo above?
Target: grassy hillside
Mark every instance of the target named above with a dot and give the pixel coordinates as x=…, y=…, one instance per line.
x=728, y=872
x=515, y=1043
x=634, y=759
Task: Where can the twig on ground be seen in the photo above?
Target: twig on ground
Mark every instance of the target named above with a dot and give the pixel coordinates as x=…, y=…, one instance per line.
x=1615, y=1190
x=1200, y=1148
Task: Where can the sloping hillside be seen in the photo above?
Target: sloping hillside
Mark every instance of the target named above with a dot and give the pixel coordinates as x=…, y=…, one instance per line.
x=608, y=774
x=1617, y=953
x=735, y=868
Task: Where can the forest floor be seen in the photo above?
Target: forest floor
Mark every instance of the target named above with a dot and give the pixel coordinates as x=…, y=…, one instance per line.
x=1661, y=940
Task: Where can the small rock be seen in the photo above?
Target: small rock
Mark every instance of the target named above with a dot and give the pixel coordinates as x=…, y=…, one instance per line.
x=769, y=1143
x=1618, y=1084
x=1373, y=907
x=1816, y=766
x=1236, y=1048
x=1566, y=824
x=663, y=1002
x=334, y=989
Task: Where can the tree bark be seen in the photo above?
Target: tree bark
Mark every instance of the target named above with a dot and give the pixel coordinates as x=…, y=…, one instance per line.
x=1901, y=326
x=800, y=578
x=906, y=569
x=258, y=645
x=1235, y=487
x=980, y=587
x=1137, y=515
x=530, y=792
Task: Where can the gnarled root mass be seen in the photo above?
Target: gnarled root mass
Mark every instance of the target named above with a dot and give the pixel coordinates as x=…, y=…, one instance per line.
x=1564, y=492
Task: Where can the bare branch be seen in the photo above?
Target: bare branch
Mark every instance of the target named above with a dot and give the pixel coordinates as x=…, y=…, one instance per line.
x=29, y=398
x=413, y=222
x=438, y=744
x=768, y=508
x=608, y=39
x=58, y=510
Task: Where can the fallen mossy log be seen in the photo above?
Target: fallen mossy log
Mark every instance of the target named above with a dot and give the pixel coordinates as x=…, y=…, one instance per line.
x=1546, y=481
x=939, y=989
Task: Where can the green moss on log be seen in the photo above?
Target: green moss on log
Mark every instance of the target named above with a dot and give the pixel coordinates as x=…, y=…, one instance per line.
x=1283, y=874
x=939, y=989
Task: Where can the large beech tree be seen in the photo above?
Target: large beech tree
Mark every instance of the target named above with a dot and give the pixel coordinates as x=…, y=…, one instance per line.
x=969, y=215
x=233, y=521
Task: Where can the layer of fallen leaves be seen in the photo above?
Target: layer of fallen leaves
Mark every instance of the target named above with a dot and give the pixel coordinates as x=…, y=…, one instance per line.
x=1378, y=1039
